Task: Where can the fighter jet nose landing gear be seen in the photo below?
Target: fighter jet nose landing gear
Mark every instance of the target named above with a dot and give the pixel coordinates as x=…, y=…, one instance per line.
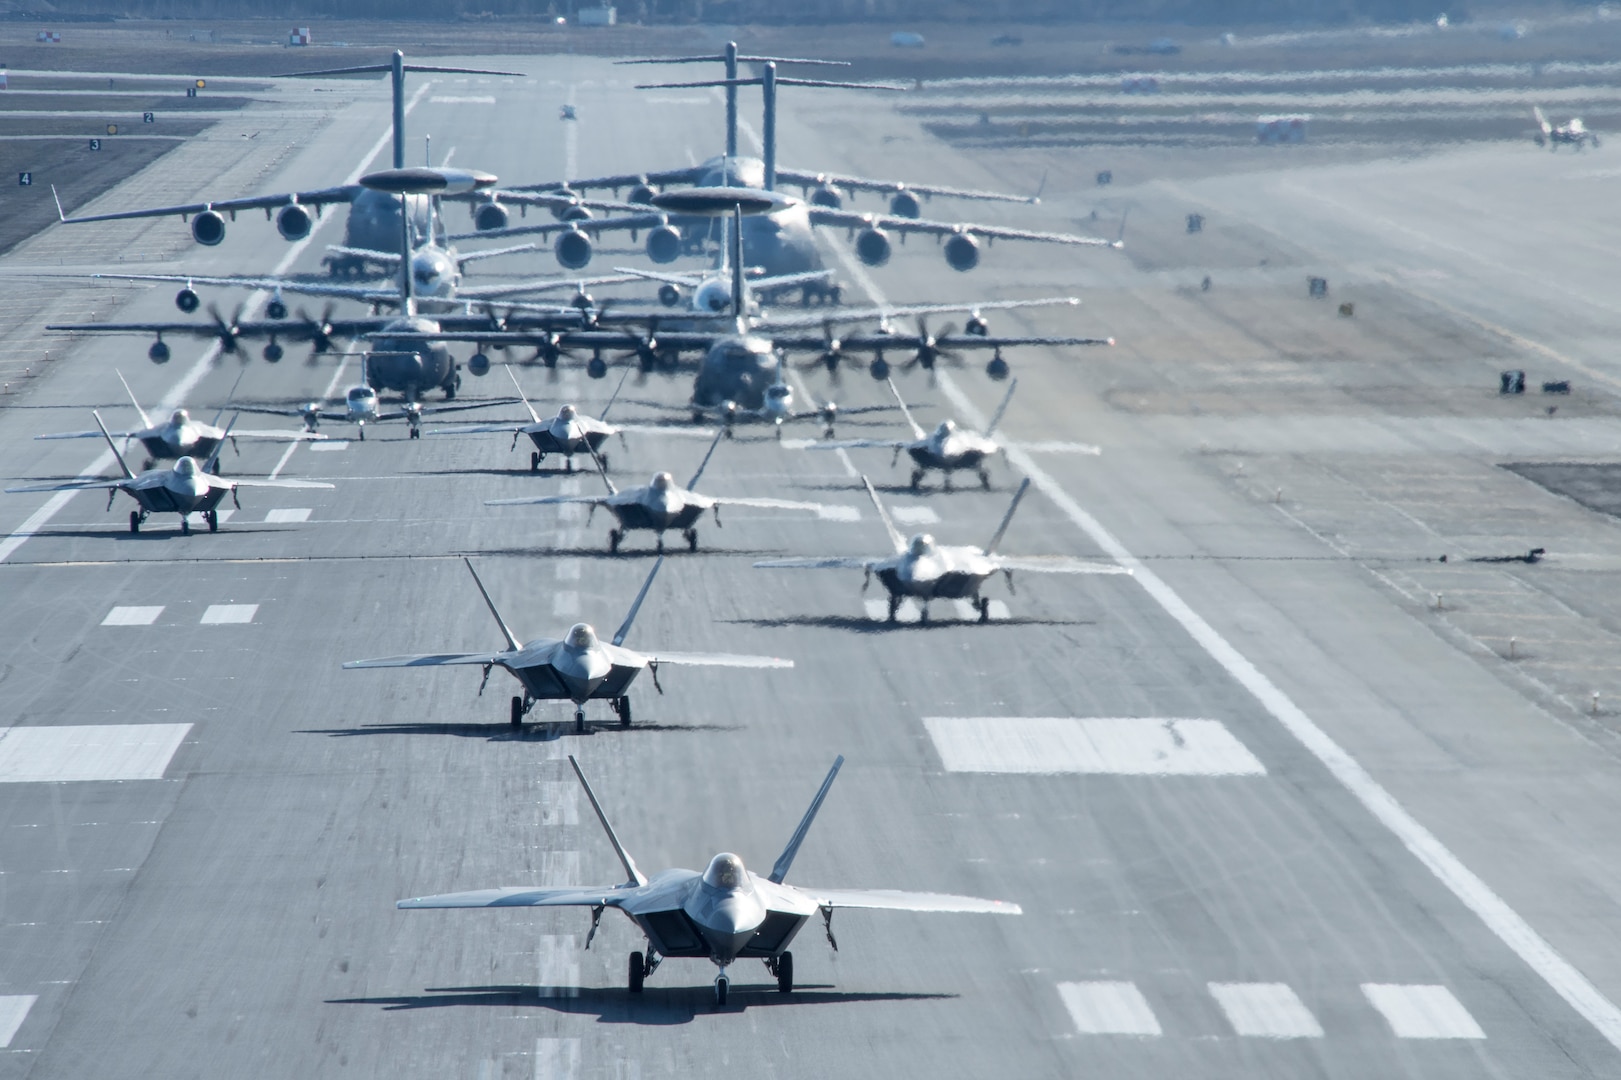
x=722, y=984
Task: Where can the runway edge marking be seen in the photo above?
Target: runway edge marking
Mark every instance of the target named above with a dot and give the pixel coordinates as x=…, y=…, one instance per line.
x=1502, y=920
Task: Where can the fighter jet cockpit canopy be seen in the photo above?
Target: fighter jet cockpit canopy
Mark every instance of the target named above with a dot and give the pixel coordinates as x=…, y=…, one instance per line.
x=567, y=412
x=946, y=428
x=921, y=545
x=582, y=636
x=179, y=417
x=726, y=873
x=186, y=467
x=662, y=481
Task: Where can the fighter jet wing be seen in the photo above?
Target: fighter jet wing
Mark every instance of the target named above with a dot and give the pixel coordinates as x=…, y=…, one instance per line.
x=834, y=562
x=235, y=481
x=718, y=660
x=1057, y=564
x=86, y=435
x=568, y=896
x=776, y=318
x=318, y=197
x=806, y=180
x=769, y=504
x=425, y=660
x=280, y=436
x=845, y=219
x=895, y=900
x=70, y=485
x=268, y=410
x=460, y=406
x=550, y=500
x=860, y=444
x=480, y=429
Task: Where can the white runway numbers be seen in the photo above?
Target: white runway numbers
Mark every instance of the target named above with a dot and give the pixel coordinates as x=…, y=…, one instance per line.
x=1123, y=746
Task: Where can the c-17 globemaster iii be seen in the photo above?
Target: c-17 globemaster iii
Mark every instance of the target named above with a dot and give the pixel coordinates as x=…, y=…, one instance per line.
x=923, y=570
x=725, y=914
x=579, y=668
x=187, y=488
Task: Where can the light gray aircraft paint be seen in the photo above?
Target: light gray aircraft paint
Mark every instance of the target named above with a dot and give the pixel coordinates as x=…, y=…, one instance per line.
x=724, y=914
x=361, y=406
x=187, y=488
x=946, y=449
x=580, y=667
x=661, y=505
x=1572, y=132
x=567, y=433
x=180, y=435
x=925, y=570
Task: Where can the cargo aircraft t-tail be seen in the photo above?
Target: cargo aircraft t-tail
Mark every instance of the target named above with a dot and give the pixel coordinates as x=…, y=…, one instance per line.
x=579, y=668
x=724, y=914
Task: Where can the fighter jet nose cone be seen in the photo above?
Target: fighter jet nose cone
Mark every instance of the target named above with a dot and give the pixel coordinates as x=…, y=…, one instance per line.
x=582, y=636
x=947, y=427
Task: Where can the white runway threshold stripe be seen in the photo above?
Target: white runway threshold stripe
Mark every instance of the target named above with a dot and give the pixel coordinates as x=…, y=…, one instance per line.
x=1108, y=1008
x=1106, y=745
x=1266, y=1010
x=38, y=755
x=1492, y=910
x=228, y=614
x=1422, y=1012
x=13, y=1011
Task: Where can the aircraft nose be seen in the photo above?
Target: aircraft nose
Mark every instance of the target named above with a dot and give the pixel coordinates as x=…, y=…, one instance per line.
x=730, y=925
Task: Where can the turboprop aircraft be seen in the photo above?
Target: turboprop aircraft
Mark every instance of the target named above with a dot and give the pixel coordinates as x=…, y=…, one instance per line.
x=925, y=570
x=187, y=488
x=579, y=668
x=725, y=914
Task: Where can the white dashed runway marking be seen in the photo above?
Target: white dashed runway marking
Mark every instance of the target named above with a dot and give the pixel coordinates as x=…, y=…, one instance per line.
x=13, y=1011
x=1422, y=1012
x=914, y=515
x=566, y=602
x=133, y=616
x=559, y=966
x=568, y=569
x=330, y=444
x=290, y=516
x=88, y=752
x=220, y=614
x=1060, y=448
x=838, y=513
x=1266, y=1010
x=461, y=99
x=1108, y=1008
x=1122, y=746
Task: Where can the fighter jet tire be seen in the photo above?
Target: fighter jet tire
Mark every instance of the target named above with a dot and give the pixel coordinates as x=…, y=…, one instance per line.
x=785, y=973
x=416, y=433
x=134, y=521
x=213, y=519
x=614, y=536
x=517, y=711
x=363, y=431
x=917, y=479
x=622, y=707
x=984, y=606
x=638, y=971
x=579, y=721
x=185, y=525
x=534, y=461
x=984, y=479
x=691, y=536
x=894, y=607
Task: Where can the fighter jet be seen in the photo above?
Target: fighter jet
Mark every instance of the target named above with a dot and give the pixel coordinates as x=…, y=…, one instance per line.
x=187, y=488
x=660, y=506
x=180, y=436
x=725, y=914
x=946, y=448
x=925, y=570
x=578, y=668
x=1572, y=133
x=360, y=407
x=568, y=433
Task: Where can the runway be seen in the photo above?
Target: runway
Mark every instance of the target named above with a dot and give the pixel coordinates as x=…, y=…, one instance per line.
x=1271, y=807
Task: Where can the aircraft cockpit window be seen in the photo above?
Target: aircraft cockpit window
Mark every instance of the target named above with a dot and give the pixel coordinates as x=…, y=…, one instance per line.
x=180, y=416
x=725, y=872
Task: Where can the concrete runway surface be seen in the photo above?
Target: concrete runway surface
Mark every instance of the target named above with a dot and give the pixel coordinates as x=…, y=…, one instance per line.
x=1293, y=799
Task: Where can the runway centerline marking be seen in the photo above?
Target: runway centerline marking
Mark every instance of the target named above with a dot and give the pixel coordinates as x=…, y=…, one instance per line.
x=1266, y=1010
x=1502, y=920
x=1108, y=1008
x=86, y=752
x=229, y=614
x=1098, y=745
x=53, y=506
x=133, y=616
x=1422, y=1012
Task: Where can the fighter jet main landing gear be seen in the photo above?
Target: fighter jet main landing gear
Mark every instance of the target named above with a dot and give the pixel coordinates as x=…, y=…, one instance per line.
x=917, y=479
x=641, y=968
x=213, y=519
x=894, y=607
x=185, y=524
x=691, y=537
x=783, y=968
x=135, y=519
x=534, y=460
x=621, y=708
x=614, y=537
